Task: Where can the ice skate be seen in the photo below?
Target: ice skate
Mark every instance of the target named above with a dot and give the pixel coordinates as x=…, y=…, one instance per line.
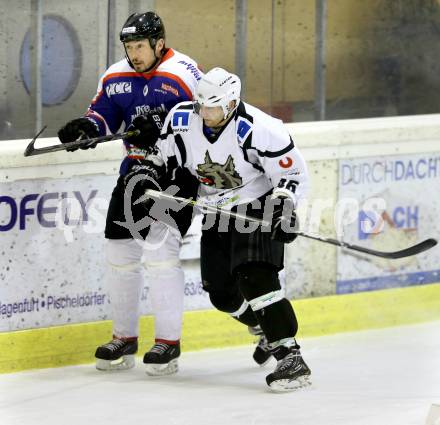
x=291, y=372
x=117, y=354
x=162, y=359
x=262, y=353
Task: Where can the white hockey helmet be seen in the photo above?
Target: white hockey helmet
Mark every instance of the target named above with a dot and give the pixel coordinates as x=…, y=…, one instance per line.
x=218, y=87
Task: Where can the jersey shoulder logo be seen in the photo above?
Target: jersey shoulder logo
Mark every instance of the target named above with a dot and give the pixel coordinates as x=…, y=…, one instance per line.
x=220, y=176
x=244, y=128
x=180, y=120
x=192, y=69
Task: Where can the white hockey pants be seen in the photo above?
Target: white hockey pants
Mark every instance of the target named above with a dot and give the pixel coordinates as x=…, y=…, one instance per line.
x=160, y=256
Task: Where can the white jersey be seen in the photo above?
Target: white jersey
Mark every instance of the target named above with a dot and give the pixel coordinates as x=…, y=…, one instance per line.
x=249, y=157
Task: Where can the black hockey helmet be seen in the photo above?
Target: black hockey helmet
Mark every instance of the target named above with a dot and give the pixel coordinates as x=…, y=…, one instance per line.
x=143, y=25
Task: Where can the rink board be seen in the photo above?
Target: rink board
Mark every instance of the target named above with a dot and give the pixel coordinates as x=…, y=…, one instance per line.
x=34, y=186
x=76, y=344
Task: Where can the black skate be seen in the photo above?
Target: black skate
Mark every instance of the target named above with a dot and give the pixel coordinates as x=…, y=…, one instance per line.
x=262, y=353
x=291, y=372
x=117, y=354
x=162, y=359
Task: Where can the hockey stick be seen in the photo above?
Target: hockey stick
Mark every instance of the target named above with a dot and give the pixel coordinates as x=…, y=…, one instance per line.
x=31, y=150
x=155, y=194
x=407, y=252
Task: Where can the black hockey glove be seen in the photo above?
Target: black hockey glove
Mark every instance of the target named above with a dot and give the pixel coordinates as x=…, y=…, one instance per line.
x=78, y=129
x=284, y=221
x=149, y=126
x=141, y=176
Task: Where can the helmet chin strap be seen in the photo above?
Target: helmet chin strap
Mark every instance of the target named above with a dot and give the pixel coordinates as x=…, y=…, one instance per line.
x=225, y=119
x=153, y=43
x=154, y=64
x=127, y=57
x=227, y=113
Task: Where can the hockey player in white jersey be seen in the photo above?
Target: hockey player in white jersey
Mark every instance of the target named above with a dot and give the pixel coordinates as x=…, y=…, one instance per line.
x=245, y=160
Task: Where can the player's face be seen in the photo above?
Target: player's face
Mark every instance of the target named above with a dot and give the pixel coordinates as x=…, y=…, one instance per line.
x=141, y=54
x=212, y=116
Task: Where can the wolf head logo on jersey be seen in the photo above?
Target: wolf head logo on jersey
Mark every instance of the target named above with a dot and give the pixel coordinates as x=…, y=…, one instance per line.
x=220, y=176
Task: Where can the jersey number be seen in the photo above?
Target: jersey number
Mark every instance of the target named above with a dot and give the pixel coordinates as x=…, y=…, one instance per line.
x=288, y=184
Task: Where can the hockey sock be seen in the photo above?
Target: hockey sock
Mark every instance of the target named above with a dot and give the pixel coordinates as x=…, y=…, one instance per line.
x=248, y=317
x=125, y=282
x=278, y=320
x=259, y=284
x=166, y=281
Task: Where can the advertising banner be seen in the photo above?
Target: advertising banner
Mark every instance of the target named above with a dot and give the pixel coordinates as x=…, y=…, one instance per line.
x=52, y=254
x=388, y=203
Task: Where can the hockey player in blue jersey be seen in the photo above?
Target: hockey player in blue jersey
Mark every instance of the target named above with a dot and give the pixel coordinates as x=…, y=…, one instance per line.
x=136, y=93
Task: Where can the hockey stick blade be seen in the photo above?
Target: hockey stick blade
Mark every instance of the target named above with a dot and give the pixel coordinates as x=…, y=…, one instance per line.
x=32, y=151
x=30, y=147
x=407, y=252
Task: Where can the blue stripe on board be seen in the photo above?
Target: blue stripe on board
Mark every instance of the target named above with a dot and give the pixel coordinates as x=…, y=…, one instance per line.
x=385, y=282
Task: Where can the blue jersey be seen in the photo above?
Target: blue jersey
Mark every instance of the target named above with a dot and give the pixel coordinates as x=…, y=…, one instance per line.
x=124, y=94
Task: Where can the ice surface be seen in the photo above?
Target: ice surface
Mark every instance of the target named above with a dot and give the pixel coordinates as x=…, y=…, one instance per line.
x=378, y=377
